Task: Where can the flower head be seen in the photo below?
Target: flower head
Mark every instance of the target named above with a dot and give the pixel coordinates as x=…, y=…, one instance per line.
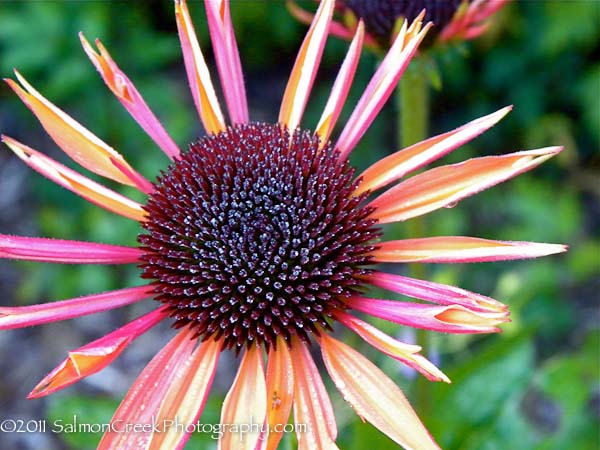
x=259, y=238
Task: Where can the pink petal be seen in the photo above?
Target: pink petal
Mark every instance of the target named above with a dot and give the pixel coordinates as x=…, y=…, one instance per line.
x=305, y=68
x=245, y=404
x=312, y=407
x=201, y=85
x=68, y=252
x=381, y=85
x=142, y=402
x=228, y=59
x=406, y=353
x=403, y=162
x=469, y=21
x=447, y=319
x=129, y=97
x=71, y=180
x=185, y=399
x=95, y=356
x=280, y=390
x=434, y=292
x=341, y=86
x=374, y=396
x=76, y=141
x=26, y=316
x=445, y=186
x=460, y=249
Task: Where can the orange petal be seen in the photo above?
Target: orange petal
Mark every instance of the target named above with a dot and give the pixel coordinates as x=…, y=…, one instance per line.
x=245, y=404
x=76, y=141
x=184, y=401
x=312, y=407
x=201, y=85
x=446, y=185
x=374, y=396
x=305, y=67
x=71, y=180
x=280, y=390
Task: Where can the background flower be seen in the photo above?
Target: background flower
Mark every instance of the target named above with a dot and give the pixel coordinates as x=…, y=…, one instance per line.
x=514, y=386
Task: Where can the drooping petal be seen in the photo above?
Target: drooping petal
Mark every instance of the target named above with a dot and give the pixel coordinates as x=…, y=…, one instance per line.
x=406, y=353
x=67, y=252
x=227, y=57
x=312, y=407
x=305, y=68
x=374, y=396
x=185, y=399
x=446, y=319
x=442, y=294
x=403, y=162
x=129, y=96
x=141, y=404
x=460, y=249
x=446, y=185
x=26, y=316
x=71, y=180
x=95, y=356
x=245, y=404
x=280, y=390
x=76, y=141
x=381, y=85
x=341, y=86
x=201, y=85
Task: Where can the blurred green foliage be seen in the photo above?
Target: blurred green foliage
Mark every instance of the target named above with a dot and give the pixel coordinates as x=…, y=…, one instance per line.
x=536, y=386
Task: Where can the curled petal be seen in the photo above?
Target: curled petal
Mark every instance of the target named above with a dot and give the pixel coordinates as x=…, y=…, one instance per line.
x=245, y=403
x=382, y=85
x=447, y=319
x=71, y=180
x=184, y=400
x=460, y=249
x=305, y=68
x=312, y=406
x=227, y=58
x=374, y=396
x=403, y=162
x=341, y=86
x=26, y=316
x=142, y=402
x=469, y=20
x=68, y=252
x=446, y=185
x=201, y=85
x=280, y=390
x=434, y=292
x=129, y=96
x=94, y=356
x=406, y=353
x=76, y=141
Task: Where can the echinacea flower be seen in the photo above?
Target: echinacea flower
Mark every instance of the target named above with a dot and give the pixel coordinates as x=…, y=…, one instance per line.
x=258, y=239
x=453, y=19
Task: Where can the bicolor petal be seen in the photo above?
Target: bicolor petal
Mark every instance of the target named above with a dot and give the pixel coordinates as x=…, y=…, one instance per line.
x=129, y=97
x=280, y=390
x=75, y=182
x=245, y=403
x=76, y=141
x=66, y=252
x=198, y=75
x=374, y=396
x=403, y=162
x=227, y=57
x=305, y=68
x=95, y=356
x=460, y=249
x=446, y=319
x=26, y=316
x=445, y=186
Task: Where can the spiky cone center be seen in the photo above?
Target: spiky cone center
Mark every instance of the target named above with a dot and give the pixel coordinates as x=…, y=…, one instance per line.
x=380, y=16
x=255, y=233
